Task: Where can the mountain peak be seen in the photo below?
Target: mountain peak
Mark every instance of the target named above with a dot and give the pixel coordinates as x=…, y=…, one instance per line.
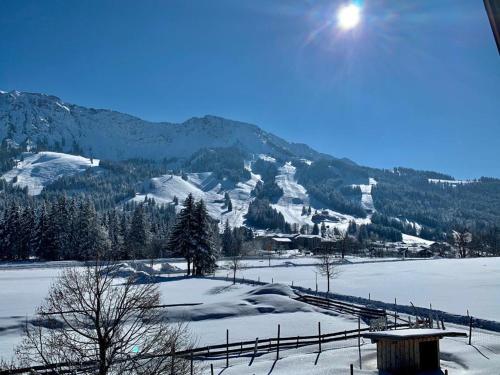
x=48, y=121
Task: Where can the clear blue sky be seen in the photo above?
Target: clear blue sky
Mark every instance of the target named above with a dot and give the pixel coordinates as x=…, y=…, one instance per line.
x=416, y=84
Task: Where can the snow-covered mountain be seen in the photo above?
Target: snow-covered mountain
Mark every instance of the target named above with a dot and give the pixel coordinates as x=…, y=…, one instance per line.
x=105, y=134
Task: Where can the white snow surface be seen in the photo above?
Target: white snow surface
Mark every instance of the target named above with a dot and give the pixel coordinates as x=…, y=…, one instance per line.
x=450, y=182
x=38, y=170
x=451, y=285
x=413, y=240
x=203, y=186
x=366, y=195
x=294, y=196
x=249, y=312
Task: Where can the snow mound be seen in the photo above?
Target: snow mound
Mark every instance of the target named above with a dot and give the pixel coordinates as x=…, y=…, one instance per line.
x=35, y=171
x=127, y=271
x=276, y=289
x=168, y=268
x=267, y=299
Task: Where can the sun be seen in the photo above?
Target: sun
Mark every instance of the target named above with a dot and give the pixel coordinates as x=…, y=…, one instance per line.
x=348, y=16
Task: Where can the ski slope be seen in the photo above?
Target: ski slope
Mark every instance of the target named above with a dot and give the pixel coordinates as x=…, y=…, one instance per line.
x=294, y=196
x=366, y=195
x=35, y=171
x=203, y=186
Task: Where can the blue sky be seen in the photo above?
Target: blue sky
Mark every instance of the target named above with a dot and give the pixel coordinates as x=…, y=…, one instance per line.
x=416, y=84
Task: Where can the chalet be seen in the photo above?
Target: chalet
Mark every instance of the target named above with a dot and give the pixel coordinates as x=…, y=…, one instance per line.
x=307, y=241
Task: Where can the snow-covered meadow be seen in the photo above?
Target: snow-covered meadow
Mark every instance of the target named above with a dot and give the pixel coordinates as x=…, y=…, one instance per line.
x=249, y=311
x=451, y=285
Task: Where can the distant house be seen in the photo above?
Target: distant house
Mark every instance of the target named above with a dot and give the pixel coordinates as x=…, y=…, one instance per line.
x=307, y=241
x=281, y=244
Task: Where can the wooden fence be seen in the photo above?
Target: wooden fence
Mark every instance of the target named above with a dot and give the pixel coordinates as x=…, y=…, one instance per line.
x=220, y=351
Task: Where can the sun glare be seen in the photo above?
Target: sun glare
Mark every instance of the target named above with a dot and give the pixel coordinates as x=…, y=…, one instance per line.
x=349, y=16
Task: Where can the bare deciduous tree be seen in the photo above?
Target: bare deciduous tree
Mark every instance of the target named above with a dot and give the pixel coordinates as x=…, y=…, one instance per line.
x=462, y=240
x=234, y=264
x=328, y=267
x=103, y=325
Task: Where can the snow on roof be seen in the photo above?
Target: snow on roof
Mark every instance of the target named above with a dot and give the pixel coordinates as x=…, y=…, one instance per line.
x=308, y=236
x=403, y=334
x=281, y=239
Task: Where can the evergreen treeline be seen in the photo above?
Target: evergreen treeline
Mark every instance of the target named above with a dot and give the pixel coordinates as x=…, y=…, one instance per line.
x=268, y=190
x=329, y=181
x=71, y=228
x=439, y=206
x=232, y=240
x=262, y=215
x=109, y=185
x=224, y=162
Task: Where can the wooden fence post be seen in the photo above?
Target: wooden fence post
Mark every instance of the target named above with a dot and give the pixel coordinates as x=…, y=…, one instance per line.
x=227, y=348
x=255, y=347
x=352, y=369
x=278, y=346
x=359, y=342
x=395, y=313
x=470, y=330
x=192, y=367
x=319, y=336
x=212, y=369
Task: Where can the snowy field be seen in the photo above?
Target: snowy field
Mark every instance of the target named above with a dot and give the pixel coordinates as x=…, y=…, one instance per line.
x=452, y=285
x=249, y=312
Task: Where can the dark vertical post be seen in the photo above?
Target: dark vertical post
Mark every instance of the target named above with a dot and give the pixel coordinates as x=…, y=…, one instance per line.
x=192, y=367
x=172, y=364
x=352, y=369
x=470, y=330
x=278, y=346
x=319, y=336
x=255, y=348
x=212, y=369
x=359, y=342
x=227, y=348
x=395, y=314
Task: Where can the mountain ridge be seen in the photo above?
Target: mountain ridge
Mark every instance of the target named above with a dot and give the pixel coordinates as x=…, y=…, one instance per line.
x=48, y=121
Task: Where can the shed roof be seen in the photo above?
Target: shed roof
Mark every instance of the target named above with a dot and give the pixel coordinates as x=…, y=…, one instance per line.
x=406, y=334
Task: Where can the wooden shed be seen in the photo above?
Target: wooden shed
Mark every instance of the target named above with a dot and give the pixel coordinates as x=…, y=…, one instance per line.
x=409, y=351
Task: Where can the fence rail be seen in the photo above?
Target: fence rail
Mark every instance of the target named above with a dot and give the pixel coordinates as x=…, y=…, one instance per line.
x=343, y=307
x=253, y=347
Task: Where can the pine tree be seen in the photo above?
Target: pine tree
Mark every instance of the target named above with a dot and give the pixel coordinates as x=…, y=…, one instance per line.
x=26, y=229
x=181, y=239
x=227, y=240
x=205, y=255
x=138, y=238
x=315, y=230
x=227, y=202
